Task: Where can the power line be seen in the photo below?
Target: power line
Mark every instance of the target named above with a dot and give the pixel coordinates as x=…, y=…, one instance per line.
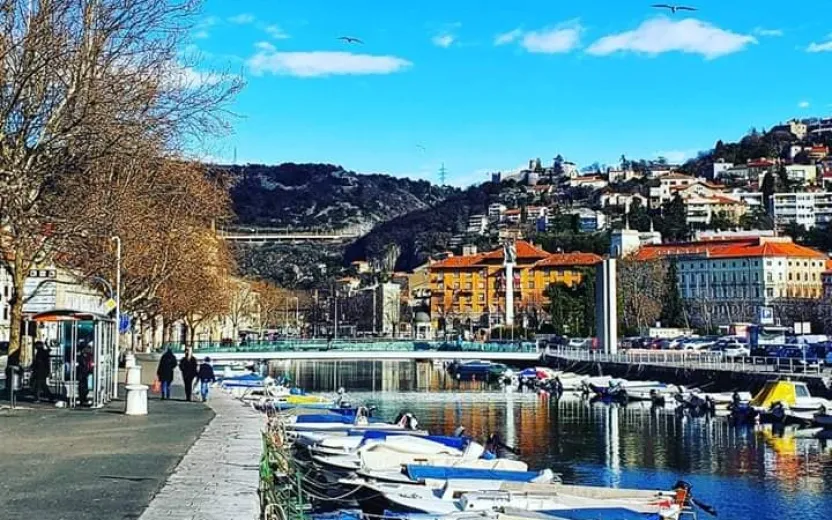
x=443, y=174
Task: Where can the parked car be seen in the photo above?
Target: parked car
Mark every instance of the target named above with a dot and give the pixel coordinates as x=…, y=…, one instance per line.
x=732, y=348
x=4, y=357
x=579, y=343
x=797, y=359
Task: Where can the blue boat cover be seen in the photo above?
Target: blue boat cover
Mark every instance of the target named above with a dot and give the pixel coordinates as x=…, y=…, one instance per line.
x=417, y=472
x=245, y=377
x=528, y=372
x=458, y=443
x=618, y=513
x=343, y=514
x=321, y=418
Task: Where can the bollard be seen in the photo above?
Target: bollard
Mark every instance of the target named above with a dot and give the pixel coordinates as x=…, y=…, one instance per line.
x=136, y=402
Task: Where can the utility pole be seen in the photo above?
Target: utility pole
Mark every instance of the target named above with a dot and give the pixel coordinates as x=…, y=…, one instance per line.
x=335, y=300
x=118, y=315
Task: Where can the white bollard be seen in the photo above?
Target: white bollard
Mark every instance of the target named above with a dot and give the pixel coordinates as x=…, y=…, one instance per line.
x=129, y=360
x=136, y=400
x=134, y=375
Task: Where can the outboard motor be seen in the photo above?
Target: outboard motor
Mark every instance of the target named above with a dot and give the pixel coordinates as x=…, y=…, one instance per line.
x=685, y=499
x=656, y=398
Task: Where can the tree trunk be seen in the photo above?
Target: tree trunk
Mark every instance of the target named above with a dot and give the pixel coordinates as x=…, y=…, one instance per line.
x=16, y=311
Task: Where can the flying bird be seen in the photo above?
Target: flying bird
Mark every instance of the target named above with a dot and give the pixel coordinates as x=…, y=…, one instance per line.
x=674, y=8
x=350, y=39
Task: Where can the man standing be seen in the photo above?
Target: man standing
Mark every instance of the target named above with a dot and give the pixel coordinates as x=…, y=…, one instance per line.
x=187, y=365
x=206, y=377
x=165, y=372
x=41, y=369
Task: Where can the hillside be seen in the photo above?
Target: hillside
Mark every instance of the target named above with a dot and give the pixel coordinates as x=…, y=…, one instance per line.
x=324, y=196
x=422, y=232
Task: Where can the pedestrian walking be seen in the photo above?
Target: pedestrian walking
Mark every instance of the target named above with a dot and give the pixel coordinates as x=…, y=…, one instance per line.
x=188, y=367
x=41, y=369
x=206, y=377
x=165, y=372
x=83, y=374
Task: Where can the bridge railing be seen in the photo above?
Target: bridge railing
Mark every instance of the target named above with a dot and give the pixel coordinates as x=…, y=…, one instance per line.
x=374, y=345
x=693, y=359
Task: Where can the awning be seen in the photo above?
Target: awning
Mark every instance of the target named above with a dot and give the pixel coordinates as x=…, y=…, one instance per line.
x=68, y=315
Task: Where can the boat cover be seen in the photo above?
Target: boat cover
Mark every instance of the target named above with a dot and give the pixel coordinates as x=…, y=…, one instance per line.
x=421, y=472
x=452, y=442
x=775, y=391
x=343, y=514
x=324, y=418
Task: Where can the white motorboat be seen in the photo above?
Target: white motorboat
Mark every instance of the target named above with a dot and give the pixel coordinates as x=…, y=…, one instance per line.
x=392, y=456
x=463, y=495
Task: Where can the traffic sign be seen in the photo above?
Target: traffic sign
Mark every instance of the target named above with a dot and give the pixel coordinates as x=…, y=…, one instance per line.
x=124, y=324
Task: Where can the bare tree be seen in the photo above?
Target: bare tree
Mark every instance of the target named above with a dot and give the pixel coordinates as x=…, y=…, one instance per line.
x=641, y=290
x=85, y=84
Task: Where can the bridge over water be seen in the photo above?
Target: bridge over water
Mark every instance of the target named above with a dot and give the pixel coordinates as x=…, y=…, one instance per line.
x=366, y=350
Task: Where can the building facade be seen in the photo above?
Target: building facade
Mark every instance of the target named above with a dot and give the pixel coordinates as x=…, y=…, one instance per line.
x=808, y=209
x=753, y=270
x=469, y=292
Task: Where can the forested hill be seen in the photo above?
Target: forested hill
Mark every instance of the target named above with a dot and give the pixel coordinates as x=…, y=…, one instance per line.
x=324, y=196
x=420, y=233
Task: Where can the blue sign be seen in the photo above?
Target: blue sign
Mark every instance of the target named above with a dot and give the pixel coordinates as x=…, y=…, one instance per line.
x=124, y=324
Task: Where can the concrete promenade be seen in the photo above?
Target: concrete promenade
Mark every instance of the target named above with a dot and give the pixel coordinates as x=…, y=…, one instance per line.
x=60, y=464
x=218, y=477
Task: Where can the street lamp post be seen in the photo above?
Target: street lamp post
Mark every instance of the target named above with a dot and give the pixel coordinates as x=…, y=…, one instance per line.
x=118, y=314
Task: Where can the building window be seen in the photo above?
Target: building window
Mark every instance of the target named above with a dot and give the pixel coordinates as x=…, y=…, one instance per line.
x=770, y=292
x=769, y=277
x=790, y=277
x=5, y=313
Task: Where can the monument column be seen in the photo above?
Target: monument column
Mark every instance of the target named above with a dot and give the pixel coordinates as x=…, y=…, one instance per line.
x=509, y=259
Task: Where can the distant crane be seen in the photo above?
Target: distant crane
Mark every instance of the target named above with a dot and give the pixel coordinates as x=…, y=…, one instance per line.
x=350, y=39
x=674, y=8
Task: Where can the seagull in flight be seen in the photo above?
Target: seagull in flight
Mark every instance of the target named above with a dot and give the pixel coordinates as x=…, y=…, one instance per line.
x=350, y=39
x=674, y=8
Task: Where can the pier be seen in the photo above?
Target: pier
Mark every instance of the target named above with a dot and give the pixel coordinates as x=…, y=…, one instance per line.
x=692, y=368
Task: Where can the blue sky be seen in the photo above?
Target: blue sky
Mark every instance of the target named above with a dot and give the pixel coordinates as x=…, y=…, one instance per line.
x=485, y=85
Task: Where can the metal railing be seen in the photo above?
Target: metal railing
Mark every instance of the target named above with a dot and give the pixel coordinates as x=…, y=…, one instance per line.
x=707, y=360
x=375, y=345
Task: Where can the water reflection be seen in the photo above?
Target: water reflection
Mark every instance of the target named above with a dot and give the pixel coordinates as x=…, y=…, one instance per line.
x=746, y=472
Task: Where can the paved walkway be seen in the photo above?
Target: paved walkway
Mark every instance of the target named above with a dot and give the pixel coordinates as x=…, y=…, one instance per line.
x=218, y=477
x=91, y=464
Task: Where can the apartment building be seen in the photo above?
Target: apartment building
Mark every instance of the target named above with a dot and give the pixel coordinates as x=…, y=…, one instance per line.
x=808, y=209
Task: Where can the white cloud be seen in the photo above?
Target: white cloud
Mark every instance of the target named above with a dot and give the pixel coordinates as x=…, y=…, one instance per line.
x=312, y=64
x=185, y=78
x=242, y=19
x=761, y=31
x=508, y=37
x=553, y=41
x=804, y=104
x=443, y=40
x=276, y=32
x=661, y=34
x=821, y=47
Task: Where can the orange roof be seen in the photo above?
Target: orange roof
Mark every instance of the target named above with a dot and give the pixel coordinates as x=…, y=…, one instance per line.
x=511, y=212
x=787, y=249
x=728, y=248
x=569, y=259
x=456, y=262
x=524, y=251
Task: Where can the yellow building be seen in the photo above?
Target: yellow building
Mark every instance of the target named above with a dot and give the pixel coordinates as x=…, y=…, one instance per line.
x=468, y=292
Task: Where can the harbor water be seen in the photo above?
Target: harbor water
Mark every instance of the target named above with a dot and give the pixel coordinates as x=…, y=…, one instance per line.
x=745, y=472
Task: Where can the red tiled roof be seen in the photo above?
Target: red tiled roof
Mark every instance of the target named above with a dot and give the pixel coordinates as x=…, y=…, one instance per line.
x=787, y=249
x=524, y=251
x=456, y=262
x=569, y=259
x=511, y=212
x=730, y=248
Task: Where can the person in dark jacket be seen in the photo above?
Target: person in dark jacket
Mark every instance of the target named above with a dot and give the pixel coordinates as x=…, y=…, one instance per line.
x=165, y=372
x=83, y=371
x=187, y=365
x=41, y=369
x=206, y=377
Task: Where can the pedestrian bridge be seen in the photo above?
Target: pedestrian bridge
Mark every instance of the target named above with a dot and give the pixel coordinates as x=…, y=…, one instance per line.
x=366, y=350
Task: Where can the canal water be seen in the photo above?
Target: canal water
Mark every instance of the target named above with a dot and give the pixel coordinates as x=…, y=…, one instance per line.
x=745, y=473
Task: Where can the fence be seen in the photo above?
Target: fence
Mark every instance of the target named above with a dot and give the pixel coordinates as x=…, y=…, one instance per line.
x=692, y=359
x=280, y=490
x=301, y=345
